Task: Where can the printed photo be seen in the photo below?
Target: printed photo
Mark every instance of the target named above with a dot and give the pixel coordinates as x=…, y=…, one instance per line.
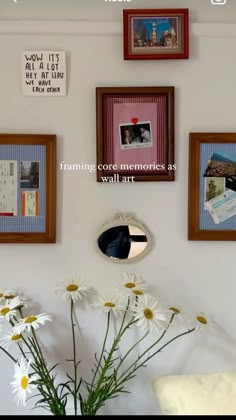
x=29, y=203
x=217, y=168
x=29, y=174
x=135, y=135
x=157, y=32
x=222, y=207
x=230, y=183
x=214, y=186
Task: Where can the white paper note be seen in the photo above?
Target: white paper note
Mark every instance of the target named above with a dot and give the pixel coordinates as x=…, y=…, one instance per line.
x=8, y=188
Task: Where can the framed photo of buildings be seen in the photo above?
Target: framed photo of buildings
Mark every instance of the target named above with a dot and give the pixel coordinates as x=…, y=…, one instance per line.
x=135, y=134
x=27, y=188
x=212, y=187
x=156, y=34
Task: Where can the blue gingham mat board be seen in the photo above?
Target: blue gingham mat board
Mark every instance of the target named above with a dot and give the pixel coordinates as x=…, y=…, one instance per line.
x=26, y=153
x=205, y=220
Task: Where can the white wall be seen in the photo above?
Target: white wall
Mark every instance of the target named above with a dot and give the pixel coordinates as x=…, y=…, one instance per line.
x=201, y=10
x=195, y=275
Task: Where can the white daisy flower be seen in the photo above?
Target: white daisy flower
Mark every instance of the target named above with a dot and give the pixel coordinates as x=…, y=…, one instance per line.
x=2, y=296
x=200, y=321
x=22, y=381
x=73, y=288
x=132, y=284
x=9, y=339
x=175, y=310
x=10, y=294
x=8, y=308
x=33, y=321
x=110, y=302
x=150, y=315
x=136, y=292
x=178, y=311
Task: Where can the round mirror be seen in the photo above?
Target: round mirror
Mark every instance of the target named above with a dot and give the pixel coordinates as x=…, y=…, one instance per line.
x=124, y=240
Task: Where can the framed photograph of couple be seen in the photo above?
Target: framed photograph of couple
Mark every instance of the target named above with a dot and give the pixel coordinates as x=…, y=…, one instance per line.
x=135, y=134
x=27, y=188
x=212, y=187
x=156, y=34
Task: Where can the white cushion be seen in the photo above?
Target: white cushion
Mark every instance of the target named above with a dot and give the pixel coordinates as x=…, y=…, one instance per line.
x=212, y=394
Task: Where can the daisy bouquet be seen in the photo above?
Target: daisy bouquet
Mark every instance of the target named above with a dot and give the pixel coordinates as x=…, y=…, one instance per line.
x=31, y=369
x=129, y=306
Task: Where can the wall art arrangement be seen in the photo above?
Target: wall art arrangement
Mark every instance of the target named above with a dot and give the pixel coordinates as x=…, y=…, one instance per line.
x=212, y=187
x=135, y=127
x=27, y=188
x=156, y=34
x=135, y=134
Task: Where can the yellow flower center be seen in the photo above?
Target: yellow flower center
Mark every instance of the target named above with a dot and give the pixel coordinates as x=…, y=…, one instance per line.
x=137, y=292
x=30, y=319
x=174, y=309
x=202, y=320
x=16, y=337
x=72, y=287
x=9, y=297
x=1, y=295
x=4, y=311
x=24, y=382
x=130, y=285
x=148, y=313
x=109, y=304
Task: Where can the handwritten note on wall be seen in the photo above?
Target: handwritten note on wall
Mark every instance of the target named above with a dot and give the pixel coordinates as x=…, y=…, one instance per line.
x=43, y=73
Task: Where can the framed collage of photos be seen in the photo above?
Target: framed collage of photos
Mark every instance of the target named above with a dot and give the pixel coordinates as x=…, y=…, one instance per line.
x=27, y=188
x=135, y=134
x=212, y=187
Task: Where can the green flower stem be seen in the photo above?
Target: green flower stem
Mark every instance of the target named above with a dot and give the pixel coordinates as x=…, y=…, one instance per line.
x=150, y=347
x=36, y=359
x=44, y=366
x=113, y=348
x=22, y=352
x=39, y=367
x=162, y=335
x=169, y=342
x=8, y=354
x=136, y=366
x=52, y=398
x=103, y=349
x=96, y=397
x=74, y=356
x=130, y=350
x=124, y=316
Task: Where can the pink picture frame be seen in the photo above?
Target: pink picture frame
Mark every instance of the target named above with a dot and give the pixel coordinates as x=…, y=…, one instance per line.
x=135, y=134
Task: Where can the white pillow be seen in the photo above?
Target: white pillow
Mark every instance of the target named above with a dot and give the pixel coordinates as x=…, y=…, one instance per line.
x=197, y=394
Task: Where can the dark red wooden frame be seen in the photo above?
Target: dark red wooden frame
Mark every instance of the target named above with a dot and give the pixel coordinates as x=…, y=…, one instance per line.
x=168, y=91
x=184, y=54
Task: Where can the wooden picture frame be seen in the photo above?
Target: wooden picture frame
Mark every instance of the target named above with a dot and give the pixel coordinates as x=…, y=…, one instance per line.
x=135, y=134
x=212, y=187
x=156, y=34
x=27, y=188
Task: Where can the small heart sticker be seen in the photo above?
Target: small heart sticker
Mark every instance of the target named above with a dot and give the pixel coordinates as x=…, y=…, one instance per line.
x=134, y=120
